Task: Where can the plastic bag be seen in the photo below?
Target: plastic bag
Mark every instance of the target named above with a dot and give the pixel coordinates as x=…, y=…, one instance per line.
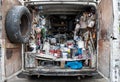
x=77, y=27
x=91, y=24
x=74, y=64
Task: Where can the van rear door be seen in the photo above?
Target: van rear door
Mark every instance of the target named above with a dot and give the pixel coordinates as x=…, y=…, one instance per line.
x=11, y=58
x=108, y=40
x=105, y=18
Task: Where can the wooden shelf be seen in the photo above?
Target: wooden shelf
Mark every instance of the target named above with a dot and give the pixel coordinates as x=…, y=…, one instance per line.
x=52, y=58
x=70, y=59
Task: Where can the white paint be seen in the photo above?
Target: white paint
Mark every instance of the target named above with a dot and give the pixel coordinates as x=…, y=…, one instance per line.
x=98, y=34
x=13, y=75
x=2, y=42
x=104, y=76
x=22, y=56
x=115, y=56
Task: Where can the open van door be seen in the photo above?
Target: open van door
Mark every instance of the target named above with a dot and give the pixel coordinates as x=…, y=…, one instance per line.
x=14, y=19
x=108, y=41
x=105, y=26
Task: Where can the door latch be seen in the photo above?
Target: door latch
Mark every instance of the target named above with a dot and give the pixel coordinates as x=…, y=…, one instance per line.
x=113, y=38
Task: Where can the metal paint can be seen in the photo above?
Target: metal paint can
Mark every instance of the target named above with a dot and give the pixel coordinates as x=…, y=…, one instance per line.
x=65, y=55
x=73, y=51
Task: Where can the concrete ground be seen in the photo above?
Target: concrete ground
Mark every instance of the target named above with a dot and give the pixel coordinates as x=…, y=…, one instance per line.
x=23, y=78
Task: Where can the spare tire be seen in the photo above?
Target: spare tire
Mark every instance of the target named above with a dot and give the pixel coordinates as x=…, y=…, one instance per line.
x=18, y=24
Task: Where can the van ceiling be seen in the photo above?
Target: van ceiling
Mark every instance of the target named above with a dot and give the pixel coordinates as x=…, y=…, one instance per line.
x=63, y=9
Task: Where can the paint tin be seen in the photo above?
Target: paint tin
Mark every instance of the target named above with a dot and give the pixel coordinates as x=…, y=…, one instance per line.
x=73, y=51
x=65, y=55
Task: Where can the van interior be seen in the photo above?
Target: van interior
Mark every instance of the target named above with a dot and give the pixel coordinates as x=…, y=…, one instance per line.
x=63, y=36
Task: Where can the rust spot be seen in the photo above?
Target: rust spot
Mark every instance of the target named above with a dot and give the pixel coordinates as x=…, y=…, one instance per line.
x=9, y=53
x=103, y=33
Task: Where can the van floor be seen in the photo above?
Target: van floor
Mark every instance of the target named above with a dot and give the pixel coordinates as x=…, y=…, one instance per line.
x=24, y=78
x=57, y=71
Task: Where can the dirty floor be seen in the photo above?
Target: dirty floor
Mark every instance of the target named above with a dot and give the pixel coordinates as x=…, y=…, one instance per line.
x=23, y=78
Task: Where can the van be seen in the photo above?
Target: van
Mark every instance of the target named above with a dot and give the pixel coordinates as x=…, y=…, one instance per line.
x=60, y=38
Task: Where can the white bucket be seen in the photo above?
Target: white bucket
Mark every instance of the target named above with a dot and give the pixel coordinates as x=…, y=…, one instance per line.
x=64, y=54
x=80, y=44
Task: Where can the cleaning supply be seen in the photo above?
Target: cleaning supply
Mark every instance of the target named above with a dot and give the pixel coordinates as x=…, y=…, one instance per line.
x=74, y=64
x=80, y=44
x=65, y=55
x=46, y=47
x=79, y=52
x=33, y=46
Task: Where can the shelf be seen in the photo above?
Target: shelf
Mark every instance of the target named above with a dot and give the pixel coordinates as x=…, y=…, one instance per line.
x=52, y=58
x=70, y=59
